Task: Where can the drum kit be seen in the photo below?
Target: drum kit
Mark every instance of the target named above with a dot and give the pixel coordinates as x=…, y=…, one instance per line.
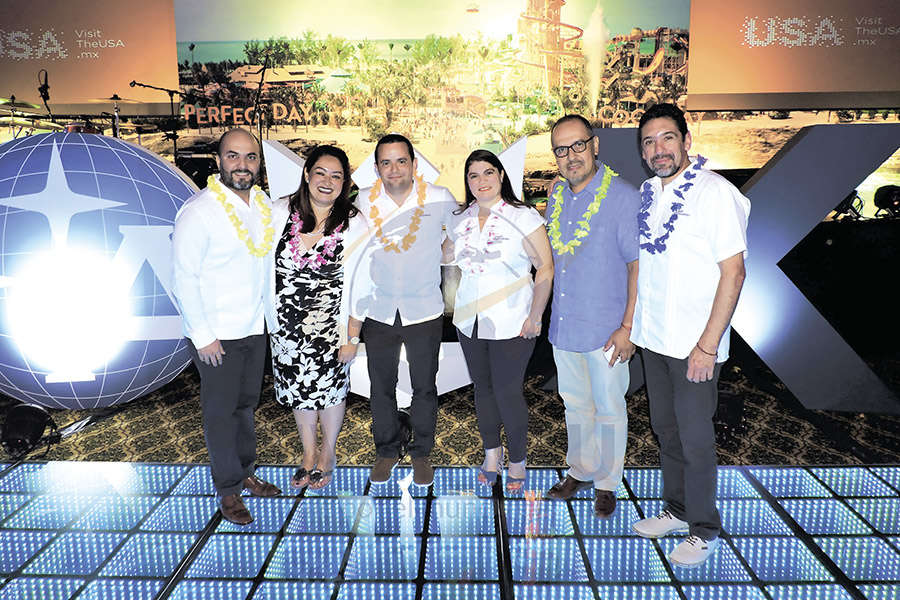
x=25, y=118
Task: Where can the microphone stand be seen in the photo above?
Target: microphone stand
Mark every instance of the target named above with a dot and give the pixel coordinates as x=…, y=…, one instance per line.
x=262, y=78
x=44, y=91
x=173, y=135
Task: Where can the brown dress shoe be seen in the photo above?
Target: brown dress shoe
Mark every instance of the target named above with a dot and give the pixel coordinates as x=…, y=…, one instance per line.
x=381, y=472
x=423, y=472
x=258, y=487
x=233, y=510
x=604, y=503
x=568, y=487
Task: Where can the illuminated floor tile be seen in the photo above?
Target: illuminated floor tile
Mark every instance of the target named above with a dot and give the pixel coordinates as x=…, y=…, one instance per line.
x=211, y=590
x=645, y=483
x=781, y=559
x=43, y=588
x=181, y=513
x=825, y=517
x=635, y=592
x=458, y=481
x=790, y=482
x=307, y=557
x=882, y=513
x=91, y=478
x=197, y=482
x=895, y=541
x=889, y=474
x=546, y=559
x=383, y=558
x=9, y=503
x=292, y=590
x=723, y=592
x=618, y=524
x=454, y=591
x=826, y=591
x=731, y=483
x=862, y=558
x=399, y=483
x=462, y=515
x=269, y=515
x=16, y=547
x=49, y=512
x=625, y=560
x=377, y=591
x=280, y=477
x=880, y=591
x=75, y=554
x=461, y=559
x=119, y=513
x=543, y=518
x=149, y=555
x=363, y=515
x=541, y=480
x=853, y=481
x=229, y=556
x=346, y=481
x=121, y=589
x=751, y=517
x=723, y=565
x=557, y=592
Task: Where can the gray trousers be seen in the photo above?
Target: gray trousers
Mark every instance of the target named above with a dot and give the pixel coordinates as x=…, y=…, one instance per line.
x=681, y=415
x=229, y=394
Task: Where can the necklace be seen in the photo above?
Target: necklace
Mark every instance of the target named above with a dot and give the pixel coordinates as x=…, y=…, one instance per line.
x=584, y=225
x=658, y=246
x=320, y=257
x=264, y=209
x=410, y=238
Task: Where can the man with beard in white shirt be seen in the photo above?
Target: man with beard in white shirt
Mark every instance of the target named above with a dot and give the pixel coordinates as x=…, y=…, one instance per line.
x=693, y=240
x=222, y=236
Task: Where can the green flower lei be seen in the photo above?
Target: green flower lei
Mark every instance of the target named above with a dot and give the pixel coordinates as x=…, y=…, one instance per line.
x=584, y=225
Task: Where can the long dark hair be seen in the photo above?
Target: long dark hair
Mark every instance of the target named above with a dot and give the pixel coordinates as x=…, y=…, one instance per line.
x=506, y=191
x=343, y=209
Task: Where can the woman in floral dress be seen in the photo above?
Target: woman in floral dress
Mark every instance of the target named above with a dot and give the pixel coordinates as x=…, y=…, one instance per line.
x=316, y=338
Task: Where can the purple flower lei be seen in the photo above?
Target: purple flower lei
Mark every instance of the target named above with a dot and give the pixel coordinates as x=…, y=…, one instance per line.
x=659, y=244
x=318, y=259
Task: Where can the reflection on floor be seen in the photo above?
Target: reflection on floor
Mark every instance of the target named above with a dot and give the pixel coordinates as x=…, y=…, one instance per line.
x=142, y=531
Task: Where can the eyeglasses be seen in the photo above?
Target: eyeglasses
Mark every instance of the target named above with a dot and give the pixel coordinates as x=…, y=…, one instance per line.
x=579, y=146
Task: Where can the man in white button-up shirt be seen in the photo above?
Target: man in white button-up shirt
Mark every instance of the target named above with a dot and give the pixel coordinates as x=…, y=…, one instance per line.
x=404, y=306
x=693, y=234
x=222, y=235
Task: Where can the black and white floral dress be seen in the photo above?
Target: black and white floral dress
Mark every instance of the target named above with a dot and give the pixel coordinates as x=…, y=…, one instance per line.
x=308, y=374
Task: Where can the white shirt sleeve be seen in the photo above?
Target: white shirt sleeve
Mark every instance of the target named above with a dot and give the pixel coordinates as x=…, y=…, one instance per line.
x=189, y=246
x=727, y=211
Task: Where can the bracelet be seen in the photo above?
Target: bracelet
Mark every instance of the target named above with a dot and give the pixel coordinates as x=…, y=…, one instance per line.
x=624, y=326
x=704, y=351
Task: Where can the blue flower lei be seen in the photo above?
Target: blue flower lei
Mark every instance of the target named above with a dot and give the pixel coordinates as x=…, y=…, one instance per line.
x=659, y=244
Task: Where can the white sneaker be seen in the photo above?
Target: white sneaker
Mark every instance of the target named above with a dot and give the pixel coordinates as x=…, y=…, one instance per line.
x=662, y=524
x=693, y=551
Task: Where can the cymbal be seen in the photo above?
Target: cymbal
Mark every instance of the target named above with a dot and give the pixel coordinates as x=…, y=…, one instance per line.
x=12, y=104
x=115, y=98
x=30, y=123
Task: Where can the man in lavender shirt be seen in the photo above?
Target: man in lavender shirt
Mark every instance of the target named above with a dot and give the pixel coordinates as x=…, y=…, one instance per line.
x=594, y=236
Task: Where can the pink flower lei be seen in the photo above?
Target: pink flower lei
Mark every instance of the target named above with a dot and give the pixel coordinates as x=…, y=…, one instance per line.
x=319, y=257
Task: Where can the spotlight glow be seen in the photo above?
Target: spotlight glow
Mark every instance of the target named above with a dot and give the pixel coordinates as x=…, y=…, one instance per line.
x=69, y=312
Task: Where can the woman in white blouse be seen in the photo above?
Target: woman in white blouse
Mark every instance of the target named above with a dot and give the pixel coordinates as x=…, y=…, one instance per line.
x=495, y=239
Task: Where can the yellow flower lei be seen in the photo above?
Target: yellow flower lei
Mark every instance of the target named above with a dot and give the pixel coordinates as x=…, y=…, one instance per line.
x=584, y=225
x=410, y=238
x=264, y=209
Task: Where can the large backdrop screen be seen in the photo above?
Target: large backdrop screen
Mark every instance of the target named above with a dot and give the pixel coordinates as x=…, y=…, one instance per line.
x=771, y=54
x=91, y=50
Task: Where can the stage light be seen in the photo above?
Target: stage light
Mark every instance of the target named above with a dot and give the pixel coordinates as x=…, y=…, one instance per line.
x=23, y=428
x=69, y=312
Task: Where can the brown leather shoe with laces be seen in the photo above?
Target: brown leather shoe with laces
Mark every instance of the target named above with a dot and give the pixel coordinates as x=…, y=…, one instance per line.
x=568, y=487
x=604, y=503
x=233, y=510
x=258, y=487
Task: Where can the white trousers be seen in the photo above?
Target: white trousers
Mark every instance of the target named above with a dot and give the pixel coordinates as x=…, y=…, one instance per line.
x=596, y=416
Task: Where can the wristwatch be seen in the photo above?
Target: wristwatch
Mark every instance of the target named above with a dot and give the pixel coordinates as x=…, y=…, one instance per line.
x=354, y=340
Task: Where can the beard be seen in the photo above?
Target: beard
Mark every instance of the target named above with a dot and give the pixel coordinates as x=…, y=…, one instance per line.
x=228, y=179
x=664, y=170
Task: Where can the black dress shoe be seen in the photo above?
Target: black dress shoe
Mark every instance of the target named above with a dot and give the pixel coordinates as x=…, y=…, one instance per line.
x=604, y=503
x=567, y=488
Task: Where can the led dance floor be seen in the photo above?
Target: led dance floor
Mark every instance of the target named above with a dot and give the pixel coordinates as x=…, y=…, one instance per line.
x=104, y=531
